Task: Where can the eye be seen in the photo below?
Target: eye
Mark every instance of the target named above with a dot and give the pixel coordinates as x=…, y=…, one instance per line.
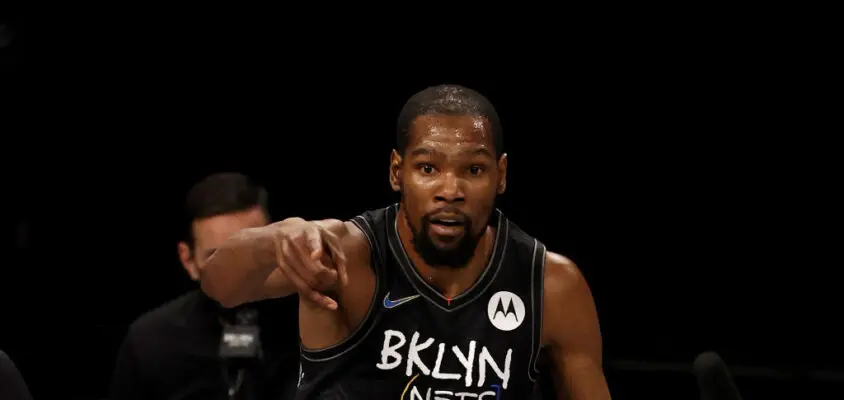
x=476, y=169
x=426, y=168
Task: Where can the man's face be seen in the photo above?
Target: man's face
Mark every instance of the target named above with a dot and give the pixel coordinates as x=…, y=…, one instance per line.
x=209, y=233
x=449, y=178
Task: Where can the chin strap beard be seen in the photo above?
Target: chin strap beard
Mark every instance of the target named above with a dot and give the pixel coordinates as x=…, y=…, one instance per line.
x=457, y=257
x=413, y=231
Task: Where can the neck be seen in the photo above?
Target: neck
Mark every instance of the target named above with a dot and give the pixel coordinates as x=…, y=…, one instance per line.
x=450, y=281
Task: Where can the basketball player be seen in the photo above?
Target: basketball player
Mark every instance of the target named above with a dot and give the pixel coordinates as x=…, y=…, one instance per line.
x=439, y=296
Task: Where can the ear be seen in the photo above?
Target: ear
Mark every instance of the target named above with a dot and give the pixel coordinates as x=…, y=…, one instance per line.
x=502, y=173
x=188, y=261
x=395, y=170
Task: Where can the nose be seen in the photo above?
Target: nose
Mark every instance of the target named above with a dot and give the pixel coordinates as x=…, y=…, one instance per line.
x=450, y=191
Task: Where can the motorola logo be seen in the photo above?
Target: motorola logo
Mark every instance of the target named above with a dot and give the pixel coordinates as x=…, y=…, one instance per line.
x=506, y=311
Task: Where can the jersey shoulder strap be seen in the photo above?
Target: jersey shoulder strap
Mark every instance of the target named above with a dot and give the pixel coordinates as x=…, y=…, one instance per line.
x=373, y=223
x=528, y=250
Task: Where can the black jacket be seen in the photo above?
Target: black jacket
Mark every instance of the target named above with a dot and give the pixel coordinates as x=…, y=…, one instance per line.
x=12, y=386
x=171, y=352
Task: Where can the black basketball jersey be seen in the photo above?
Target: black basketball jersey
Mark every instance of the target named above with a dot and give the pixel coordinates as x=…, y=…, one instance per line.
x=416, y=344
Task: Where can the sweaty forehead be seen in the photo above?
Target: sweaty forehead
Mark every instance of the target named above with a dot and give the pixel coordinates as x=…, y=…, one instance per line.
x=439, y=130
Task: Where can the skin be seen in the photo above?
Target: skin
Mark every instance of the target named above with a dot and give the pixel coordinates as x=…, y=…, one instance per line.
x=449, y=161
x=210, y=233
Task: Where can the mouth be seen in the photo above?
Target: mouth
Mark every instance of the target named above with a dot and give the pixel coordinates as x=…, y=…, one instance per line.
x=447, y=226
x=447, y=222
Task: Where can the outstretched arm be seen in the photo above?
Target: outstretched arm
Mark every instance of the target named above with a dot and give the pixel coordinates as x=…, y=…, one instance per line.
x=571, y=330
x=275, y=261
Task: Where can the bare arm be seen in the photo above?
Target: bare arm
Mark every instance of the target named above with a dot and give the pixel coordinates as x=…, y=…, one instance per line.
x=273, y=261
x=320, y=327
x=570, y=328
x=238, y=270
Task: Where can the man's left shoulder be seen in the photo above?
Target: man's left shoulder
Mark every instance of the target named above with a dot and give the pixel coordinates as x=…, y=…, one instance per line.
x=562, y=276
x=568, y=311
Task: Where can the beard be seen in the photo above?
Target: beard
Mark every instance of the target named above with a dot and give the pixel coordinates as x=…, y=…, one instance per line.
x=456, y=256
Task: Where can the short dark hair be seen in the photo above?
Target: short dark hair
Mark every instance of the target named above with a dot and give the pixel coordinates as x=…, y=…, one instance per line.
x=448, y=100
x=219, y=194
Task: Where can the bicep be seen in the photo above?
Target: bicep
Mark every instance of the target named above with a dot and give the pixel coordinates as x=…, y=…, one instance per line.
x=573, y=333
x=355, y=297
x=320, y=327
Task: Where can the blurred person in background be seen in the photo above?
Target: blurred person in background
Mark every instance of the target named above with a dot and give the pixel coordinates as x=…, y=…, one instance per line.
x=174, y=351
x=12, y=385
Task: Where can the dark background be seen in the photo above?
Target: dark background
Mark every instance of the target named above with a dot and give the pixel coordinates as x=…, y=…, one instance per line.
x=670, y=170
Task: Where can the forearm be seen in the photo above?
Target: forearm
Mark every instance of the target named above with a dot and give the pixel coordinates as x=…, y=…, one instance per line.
x=238, y=271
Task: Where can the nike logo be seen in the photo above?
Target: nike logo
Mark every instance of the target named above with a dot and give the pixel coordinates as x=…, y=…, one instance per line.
x=395, y=303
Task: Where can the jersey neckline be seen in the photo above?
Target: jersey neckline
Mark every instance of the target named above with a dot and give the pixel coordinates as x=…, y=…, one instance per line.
x=430, y=293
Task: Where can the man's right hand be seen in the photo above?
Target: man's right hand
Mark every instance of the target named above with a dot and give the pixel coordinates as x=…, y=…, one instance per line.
x=311, y=257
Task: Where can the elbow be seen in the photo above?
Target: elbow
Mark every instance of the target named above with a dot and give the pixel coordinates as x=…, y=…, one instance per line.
x=229, y=304
x=215, y=287
x=221, y=275
x=225, y=298
x=206, y=283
